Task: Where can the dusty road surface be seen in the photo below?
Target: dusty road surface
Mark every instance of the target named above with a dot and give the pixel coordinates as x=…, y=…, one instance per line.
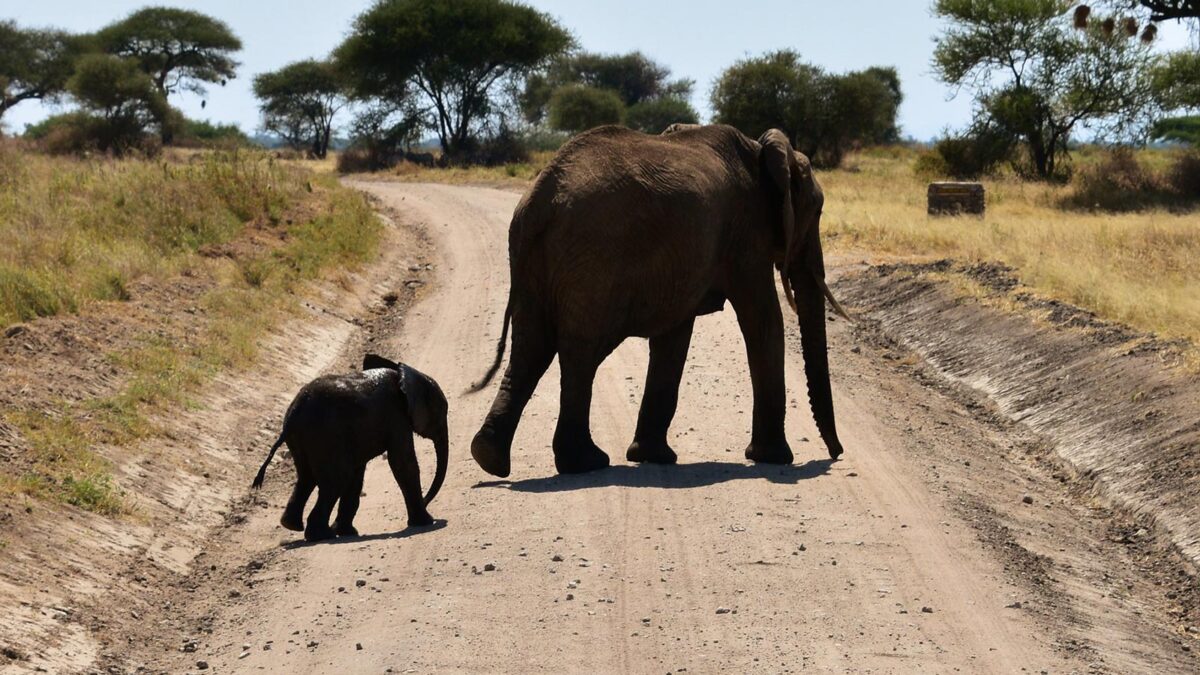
x=936, y=545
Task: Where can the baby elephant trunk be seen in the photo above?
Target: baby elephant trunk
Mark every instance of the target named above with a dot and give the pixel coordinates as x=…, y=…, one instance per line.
x=441, y=446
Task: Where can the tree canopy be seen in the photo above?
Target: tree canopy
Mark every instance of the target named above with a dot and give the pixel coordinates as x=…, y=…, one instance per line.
x=453, y=53
x=823, y=114
x=34, y=63
x=299, y=101
x=1037, y=78
x=644, y=88
x=577, y=107
x=178, y=48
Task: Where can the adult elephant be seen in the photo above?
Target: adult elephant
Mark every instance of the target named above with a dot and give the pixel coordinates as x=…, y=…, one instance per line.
x=625, y=234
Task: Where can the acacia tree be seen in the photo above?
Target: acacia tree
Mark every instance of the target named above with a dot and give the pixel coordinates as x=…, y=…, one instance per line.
x=34, y=63
x=299, y=102
x=453, y=53
x=179, y=49
x=1038, y=79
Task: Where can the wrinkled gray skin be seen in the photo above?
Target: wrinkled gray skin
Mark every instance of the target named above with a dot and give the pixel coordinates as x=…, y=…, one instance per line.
x=625, y=234
x=338, y=423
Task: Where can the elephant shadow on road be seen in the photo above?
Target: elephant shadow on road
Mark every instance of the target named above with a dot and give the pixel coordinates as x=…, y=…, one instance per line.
x=677, y=476
x=407, y=532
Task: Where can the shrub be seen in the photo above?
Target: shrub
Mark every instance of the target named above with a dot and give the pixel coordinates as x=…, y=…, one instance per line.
x=79, y=133
x=968, y=156
x=203, y=133
x=577, y=108
x=502, y=147
x=1184, y=175
x=654, y=115
x=1119, y=182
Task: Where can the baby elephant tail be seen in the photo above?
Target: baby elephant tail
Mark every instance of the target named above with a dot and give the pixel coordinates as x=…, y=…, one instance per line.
x=262, y=472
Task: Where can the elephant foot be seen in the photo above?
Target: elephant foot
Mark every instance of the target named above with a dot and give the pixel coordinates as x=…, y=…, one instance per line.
x=292, y=521
x=492, y=452
x=318, y=533
x=654, y=452
x=345, y=530
x=420, y=520
x=580, y=458
x=777, y=452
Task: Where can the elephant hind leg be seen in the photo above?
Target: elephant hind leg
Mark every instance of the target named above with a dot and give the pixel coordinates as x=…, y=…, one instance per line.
x=574, y=450
x=532, y=352
x=668, y=354
x=293, y=513
x=348, y=506
x=318, y=519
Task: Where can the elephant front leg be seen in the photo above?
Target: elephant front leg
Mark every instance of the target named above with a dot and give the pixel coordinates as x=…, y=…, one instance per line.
x=762, y=328
x=574, y=451
x=668, y=354
x=402, y=459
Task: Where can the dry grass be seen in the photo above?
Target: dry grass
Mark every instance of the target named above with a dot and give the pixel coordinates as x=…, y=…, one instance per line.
x=1138, y=268
x=507, y=174
x=77, y=233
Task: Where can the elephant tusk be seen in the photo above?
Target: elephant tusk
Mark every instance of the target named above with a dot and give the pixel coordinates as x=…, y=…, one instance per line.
x=787, y=291
x=837, y=306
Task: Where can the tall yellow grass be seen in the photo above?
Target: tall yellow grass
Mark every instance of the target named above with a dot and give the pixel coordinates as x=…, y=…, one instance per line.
x=1142, y=268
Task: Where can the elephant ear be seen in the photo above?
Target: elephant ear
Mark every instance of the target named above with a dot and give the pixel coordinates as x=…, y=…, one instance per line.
x=373, y=361
x=779, y=163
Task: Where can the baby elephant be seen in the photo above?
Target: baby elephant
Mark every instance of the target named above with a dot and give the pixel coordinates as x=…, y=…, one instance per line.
x=338, y=423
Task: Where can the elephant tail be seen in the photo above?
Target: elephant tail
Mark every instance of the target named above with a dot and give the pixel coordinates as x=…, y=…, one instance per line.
x=262, y=471
x=495, y=367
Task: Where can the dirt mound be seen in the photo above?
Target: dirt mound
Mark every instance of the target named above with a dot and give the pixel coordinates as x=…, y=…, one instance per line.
x=1116, y=405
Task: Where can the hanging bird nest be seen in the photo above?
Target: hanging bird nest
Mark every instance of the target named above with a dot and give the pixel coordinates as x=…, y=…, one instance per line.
x=1149, y=33
x=1109, y=26
x=1130, y=26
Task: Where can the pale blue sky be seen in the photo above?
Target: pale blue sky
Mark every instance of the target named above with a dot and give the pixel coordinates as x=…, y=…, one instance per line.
x=696, y=38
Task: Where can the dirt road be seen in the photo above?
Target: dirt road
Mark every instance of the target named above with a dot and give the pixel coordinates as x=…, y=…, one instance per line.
x=918, y=552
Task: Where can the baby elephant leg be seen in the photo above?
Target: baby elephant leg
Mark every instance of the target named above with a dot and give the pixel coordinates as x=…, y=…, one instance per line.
x=293, y=513
x=402, y=458
x=348, y=506
x=318, y=519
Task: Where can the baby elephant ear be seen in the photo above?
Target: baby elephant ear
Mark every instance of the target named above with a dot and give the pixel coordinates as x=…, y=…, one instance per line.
x=373, y=361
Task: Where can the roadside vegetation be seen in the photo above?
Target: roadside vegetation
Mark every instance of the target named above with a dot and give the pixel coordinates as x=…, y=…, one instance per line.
x=1136, y=264
x=84, y=235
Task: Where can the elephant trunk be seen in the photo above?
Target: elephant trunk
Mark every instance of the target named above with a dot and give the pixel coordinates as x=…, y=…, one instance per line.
x=441, y=446
x=810, y=308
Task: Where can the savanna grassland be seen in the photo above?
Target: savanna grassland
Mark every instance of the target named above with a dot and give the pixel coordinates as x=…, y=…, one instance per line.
x=1138, y=267
x=156, y=273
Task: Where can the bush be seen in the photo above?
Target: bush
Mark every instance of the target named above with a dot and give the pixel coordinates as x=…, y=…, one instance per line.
x=503, y=147
x=203, y=133
x=653, y=115
x=1184, y=176
x=575, y=108
x=1119, y=182
x=965, y=157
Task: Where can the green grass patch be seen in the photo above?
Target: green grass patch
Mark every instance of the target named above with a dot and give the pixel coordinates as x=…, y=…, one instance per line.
x=151, y=218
